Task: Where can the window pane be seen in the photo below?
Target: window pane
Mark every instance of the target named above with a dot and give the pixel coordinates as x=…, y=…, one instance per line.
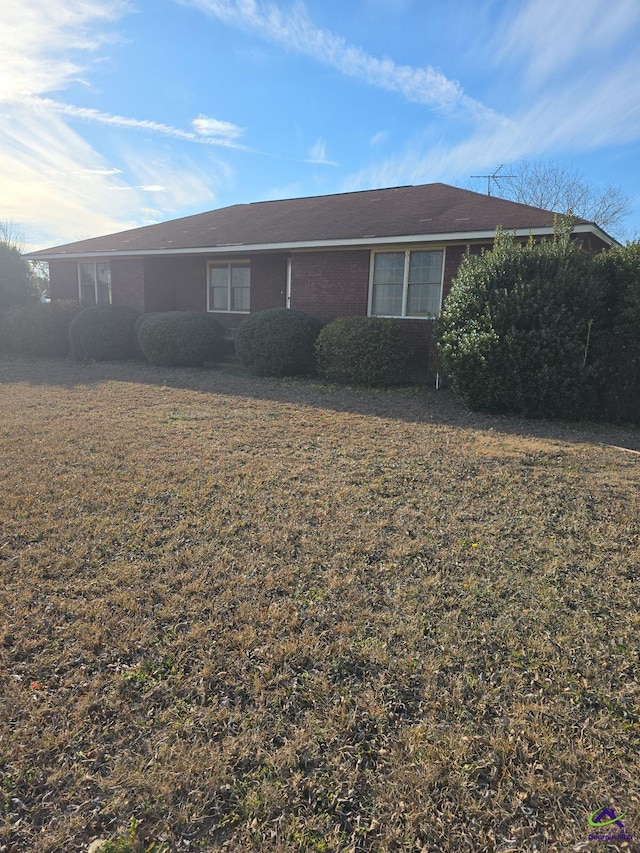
x=87, y=283
x=239, y=276
x=219, y=299
x=219, y=276
x=87, y=274
x=240, y=299
x=387, y=300
x=424, y=299
x=87, y=293
x=388, y=275
x=219, y=288
x=103, y=273
x=425, y=267
x=425, y=274
x=388, y=268
x=104, y=294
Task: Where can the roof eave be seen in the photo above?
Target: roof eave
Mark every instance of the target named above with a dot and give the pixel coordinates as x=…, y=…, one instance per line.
x=369, y=241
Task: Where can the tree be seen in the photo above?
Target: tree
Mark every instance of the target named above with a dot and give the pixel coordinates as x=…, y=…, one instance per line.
x=554, y=186
x=16, y=282
x=12, y=235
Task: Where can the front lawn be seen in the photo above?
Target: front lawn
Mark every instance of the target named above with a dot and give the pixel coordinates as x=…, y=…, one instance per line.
x=244, y=614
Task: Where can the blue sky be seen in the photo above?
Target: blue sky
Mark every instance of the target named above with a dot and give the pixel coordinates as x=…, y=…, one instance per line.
x=118, y=113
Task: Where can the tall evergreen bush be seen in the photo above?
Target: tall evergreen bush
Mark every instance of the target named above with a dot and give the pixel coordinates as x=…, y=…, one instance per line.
x=619, y=270
x=521, y=327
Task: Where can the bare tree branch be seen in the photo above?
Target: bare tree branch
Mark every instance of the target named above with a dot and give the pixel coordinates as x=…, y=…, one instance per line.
x=12, y=234
x=553, y=186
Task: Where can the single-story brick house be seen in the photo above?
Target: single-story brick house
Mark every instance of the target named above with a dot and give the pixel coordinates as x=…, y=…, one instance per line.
x=387, y=252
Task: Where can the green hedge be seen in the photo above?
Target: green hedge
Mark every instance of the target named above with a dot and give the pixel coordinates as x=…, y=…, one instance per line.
x=104, y=333
x=180, y=338
x=619, y=344
x=523, y=326
x=278, y=342
x=38, y=329
x=370, y=351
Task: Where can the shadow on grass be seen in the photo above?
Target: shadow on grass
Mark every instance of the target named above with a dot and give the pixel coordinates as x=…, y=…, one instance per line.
x=417, y=403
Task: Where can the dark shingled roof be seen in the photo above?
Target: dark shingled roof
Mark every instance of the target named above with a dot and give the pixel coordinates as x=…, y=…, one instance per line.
x=429, y=209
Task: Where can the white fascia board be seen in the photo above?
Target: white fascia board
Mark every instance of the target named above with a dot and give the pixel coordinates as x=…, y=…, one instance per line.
x=369, y=242
x=592, y=228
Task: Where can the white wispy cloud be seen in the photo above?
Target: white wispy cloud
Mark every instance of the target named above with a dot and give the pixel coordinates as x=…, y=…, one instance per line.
x=552, y=36
x=99, y=117
x=41, y=42
x=216, y=129
x=106, y=171
x=183, y=181
x=318, y=155
x=579, y=113
x=378, y=137
x=54, y=183
x=294, y=30
x=49, y=181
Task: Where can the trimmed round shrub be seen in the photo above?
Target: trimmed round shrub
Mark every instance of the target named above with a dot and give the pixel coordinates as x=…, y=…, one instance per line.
x=278, y=342
x=520, y=328
x=104, y=333
x=38, y=329
x=370, y=351
x=180, y=338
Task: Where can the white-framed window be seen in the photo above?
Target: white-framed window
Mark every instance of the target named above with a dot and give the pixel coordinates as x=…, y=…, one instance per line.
x=229, y=286
x=406, y=283
x=94, y=283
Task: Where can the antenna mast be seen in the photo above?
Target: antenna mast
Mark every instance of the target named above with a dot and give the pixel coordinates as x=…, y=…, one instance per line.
x=495, y=177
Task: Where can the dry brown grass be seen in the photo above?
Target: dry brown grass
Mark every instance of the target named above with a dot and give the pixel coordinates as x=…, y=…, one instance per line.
x=258, y=615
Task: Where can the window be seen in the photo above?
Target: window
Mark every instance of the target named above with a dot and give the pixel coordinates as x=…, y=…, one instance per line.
x=406, y=284
x=229, y=287
x=94, y=283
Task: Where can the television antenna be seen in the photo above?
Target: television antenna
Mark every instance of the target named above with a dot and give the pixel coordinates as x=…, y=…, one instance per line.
x=495, y=177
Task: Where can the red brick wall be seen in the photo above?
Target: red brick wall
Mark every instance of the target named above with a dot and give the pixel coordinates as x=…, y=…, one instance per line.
x=330, y=284
x=190, y=283
x=325, y=284
x=180, y=284
x=452, y=258
x=268, y=287
x=336, y=284
x=175, y=284
x=63, y=278
x=127, y=282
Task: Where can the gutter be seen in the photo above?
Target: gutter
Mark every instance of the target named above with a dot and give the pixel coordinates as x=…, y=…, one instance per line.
x=371, y=240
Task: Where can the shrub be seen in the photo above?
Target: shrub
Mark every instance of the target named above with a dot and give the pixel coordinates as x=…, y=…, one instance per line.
x=180, y=338
x=104, y=333
x=38, y=329
x=370, y=351
x=619, y=344
x=278, y=342
x=519, y=329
